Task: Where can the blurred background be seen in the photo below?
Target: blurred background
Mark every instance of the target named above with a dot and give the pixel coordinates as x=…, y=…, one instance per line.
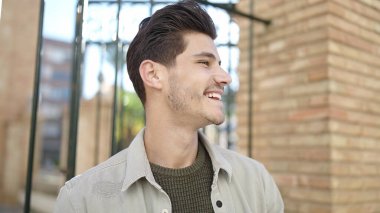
x=304, y=99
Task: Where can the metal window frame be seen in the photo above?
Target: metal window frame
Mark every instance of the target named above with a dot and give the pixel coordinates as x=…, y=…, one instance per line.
x=76, y=82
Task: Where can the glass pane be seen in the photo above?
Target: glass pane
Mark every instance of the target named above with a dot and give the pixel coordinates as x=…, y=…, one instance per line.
x=55, y=90
x=130, y=17
x=100, y=24
x=235, y=53
x=234, y=33
x=230, y=60
x=96, y=108
x=16, y=80
x=59, y=20
x=95, y=115
x=224, y=57
x=158, y=6
x=221, y=20
x=126, y=82
x=99, y=69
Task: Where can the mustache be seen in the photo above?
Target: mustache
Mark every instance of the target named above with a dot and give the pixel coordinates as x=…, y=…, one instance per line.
x=215, y=87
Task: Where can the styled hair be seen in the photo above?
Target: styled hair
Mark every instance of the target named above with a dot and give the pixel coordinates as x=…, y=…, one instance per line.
x=161, y=38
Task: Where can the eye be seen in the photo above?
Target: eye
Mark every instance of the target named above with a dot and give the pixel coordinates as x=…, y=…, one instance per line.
x=204, y=63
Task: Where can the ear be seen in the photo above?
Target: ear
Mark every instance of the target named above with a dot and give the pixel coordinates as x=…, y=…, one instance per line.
x=150, y=73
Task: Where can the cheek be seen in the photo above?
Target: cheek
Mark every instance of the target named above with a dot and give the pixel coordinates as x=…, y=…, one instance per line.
x=194, y=81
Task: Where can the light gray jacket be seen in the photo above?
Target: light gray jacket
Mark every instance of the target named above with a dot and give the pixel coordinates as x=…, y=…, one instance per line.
x=125, y=183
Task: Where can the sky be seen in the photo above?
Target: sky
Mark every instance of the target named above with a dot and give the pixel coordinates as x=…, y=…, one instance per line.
x=59, y=19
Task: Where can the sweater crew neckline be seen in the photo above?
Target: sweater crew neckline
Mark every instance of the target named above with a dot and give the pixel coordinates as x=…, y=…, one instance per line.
x=198, y=163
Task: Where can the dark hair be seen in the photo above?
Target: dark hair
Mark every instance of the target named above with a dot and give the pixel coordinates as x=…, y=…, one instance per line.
x=160, y=37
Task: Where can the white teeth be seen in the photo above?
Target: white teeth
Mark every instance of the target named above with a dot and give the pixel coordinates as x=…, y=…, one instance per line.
x=214, y=95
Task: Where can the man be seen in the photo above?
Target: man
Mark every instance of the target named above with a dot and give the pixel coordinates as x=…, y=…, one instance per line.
x=170, y=166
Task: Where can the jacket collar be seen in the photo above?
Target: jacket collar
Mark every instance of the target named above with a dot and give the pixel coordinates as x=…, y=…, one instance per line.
x=138, y=164
x=217, y=159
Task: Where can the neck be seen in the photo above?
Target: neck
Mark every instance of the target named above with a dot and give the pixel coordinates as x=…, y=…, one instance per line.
x=170, y=146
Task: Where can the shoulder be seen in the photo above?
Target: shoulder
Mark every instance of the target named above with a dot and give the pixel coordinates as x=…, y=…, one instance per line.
x=234, y=163
x=251, y=177
x=103, y=180
x=245, y=169
x=109, y=171
x=240, y=162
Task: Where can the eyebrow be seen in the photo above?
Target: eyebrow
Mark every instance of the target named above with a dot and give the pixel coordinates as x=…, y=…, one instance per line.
x=208, y=55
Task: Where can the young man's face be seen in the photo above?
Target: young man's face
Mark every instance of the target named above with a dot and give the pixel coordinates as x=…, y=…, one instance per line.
x=196, y=82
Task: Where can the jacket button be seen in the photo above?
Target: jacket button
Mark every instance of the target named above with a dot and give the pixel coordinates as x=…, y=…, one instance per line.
x=165, y=211
x=219, y=203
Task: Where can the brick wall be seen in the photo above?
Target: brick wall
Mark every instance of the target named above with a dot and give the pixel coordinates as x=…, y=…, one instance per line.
x=354, y=72
x=316, y=99
x=18, y=39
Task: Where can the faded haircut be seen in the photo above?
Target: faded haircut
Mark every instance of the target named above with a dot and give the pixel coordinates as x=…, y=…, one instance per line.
x=161, y=37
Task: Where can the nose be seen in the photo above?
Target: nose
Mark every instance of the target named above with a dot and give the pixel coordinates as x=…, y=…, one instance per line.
x=223, y=78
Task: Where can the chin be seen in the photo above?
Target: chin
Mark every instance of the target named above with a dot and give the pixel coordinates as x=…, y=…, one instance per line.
x=217, y=120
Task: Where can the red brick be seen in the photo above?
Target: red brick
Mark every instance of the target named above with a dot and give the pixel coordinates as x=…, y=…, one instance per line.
x=316, y=104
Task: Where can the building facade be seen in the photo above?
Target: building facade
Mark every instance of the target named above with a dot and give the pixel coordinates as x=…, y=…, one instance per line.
x=18, y=40
x=316, y=109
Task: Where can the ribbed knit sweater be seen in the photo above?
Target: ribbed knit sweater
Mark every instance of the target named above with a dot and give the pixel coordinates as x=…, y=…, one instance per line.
x=189, y=188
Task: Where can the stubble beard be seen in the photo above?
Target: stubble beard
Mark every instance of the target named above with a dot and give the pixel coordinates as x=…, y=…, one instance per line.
x=180, y=100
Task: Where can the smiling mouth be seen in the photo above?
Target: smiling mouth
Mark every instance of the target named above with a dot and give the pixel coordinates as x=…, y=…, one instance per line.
x=214, y=96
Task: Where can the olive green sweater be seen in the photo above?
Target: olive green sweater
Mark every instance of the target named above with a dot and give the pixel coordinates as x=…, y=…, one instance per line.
x=189, y=188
